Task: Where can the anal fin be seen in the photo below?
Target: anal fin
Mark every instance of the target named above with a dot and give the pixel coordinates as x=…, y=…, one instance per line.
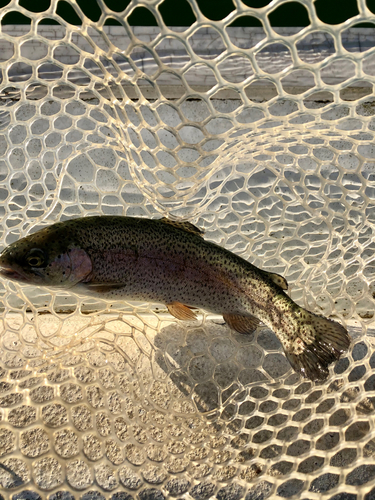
x=180, y=311
x=242, y=324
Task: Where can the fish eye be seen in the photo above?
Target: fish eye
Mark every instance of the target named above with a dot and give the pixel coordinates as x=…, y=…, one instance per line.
x=35, y=258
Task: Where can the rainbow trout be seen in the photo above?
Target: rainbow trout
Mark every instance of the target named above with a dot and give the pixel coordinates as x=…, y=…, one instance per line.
x=170, y=262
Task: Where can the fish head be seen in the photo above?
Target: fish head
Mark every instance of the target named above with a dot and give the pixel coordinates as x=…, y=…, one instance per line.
x=46, y=258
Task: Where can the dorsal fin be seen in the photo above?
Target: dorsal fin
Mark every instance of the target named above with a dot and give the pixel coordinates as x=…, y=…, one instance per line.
x=278, y=280
x=184, y=226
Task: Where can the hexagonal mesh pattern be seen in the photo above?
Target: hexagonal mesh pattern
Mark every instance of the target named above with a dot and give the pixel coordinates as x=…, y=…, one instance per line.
x=261, y=136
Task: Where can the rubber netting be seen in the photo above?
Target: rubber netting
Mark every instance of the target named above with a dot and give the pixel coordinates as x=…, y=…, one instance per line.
x=262, y=136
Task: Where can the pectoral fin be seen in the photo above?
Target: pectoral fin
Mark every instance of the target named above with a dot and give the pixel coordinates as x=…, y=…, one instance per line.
x=180, y=311
x=242, y=324
x=99, y=287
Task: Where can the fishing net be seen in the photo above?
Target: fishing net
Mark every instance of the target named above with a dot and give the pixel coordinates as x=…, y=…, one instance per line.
x=262, y=136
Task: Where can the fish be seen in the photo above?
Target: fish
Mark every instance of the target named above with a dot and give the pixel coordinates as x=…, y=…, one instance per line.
x=170, y=262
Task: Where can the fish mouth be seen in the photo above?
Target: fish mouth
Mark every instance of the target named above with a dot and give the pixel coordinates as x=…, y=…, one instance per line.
x=11, y=274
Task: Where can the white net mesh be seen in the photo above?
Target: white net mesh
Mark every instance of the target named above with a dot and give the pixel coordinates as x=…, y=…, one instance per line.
x=263, y=137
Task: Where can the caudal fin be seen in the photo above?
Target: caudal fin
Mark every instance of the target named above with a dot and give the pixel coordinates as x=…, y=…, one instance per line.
x=314, y=353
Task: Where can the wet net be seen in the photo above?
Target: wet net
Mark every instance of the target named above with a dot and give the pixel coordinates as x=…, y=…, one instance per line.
x=262, y=136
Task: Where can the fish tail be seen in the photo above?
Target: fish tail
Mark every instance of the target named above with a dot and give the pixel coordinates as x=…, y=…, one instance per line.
x=317, y=346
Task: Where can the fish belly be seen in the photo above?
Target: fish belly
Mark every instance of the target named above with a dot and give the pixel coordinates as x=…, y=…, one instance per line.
x=167, y=279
